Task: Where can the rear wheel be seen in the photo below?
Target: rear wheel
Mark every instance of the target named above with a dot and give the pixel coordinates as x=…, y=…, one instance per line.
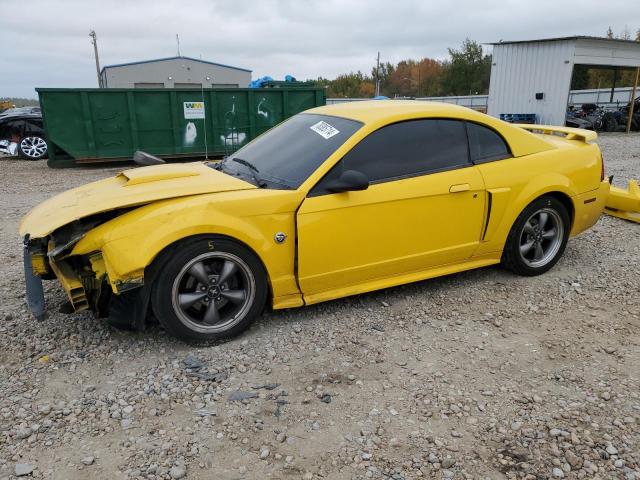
x=209, y=289
x=32, y=148
x=537, y=238
x=609, y=123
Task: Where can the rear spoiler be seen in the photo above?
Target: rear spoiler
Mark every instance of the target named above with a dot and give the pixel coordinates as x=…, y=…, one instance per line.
x=569, y=133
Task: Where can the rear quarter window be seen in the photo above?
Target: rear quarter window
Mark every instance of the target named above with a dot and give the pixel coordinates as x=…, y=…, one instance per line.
x=486, y=145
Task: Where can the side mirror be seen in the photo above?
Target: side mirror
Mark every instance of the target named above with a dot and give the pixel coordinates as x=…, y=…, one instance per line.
x=350, y=180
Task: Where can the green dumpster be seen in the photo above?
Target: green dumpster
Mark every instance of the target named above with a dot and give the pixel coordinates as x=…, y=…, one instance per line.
x=92, y=125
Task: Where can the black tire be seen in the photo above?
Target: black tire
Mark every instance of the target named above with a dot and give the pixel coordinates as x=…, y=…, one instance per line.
x=120, y=307
x=178, y=283
x=609, y=123
x=32, y=147
x=522, y=234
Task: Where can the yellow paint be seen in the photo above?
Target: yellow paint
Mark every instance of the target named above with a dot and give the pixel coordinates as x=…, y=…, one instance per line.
x=149, y=184
x=344, y=243
x=39, y=264
x=569, y=132
x=71, y=284
x=97, y=265
x=392, y=227
x=407, y=277
x=625, y=203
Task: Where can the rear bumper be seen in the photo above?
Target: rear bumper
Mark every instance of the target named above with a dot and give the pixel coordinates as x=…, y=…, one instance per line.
x=589, y=206
x=623, y=203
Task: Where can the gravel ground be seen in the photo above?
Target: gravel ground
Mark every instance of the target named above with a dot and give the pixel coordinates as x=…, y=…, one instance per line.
x=475, y=375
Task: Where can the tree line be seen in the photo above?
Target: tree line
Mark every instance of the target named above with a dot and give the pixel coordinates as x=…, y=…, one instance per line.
x=466, y=71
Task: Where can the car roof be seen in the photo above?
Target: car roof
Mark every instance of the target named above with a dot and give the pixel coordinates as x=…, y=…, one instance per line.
x=19, y=115
x=376, y=113
x=376, y=110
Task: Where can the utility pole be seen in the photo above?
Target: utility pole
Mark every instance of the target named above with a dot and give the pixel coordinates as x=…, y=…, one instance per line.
x=378, y=75
x=204, y=121
x=178, y=42
x=633, y=100
x=94, y=41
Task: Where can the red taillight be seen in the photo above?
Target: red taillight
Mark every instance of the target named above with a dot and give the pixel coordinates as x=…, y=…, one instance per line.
x=601, y=167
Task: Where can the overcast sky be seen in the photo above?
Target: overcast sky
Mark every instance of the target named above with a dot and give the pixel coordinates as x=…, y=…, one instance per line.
x=45, y=43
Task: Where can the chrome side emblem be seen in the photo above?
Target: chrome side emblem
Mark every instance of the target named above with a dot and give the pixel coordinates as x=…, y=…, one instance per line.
x=280, y=237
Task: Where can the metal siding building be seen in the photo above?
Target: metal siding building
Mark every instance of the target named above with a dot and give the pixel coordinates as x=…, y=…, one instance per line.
x=520, y=70
x=174, y=72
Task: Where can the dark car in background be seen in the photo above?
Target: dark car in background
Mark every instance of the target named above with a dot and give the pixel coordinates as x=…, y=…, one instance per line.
x=25, y=130
x=21, y=111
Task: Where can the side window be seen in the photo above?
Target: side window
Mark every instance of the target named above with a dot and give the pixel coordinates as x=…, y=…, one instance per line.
x=485, y=145
x=405, y=149
x=11, y=130
x=33, y=127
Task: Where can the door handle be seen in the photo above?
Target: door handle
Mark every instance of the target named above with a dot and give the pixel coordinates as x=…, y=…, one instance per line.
x=461, y=187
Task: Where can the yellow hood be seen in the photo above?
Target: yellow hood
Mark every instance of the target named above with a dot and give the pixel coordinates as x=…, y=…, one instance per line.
x=130, y=188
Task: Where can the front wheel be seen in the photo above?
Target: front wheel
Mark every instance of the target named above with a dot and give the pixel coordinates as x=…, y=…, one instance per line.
x=209, y=289
x=537, y=238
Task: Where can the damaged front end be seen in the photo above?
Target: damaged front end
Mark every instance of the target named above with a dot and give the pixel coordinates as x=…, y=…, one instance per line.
x=84, y=278
x=70, y=237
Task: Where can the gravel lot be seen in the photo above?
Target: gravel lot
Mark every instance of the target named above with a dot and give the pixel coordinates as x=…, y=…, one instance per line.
x=476, y=375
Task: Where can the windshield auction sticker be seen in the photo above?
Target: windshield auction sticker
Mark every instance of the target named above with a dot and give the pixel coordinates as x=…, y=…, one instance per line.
x=324, y=129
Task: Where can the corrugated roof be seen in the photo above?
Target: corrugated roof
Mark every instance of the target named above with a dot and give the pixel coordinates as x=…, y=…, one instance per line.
x=173, y=58
x=558, y=39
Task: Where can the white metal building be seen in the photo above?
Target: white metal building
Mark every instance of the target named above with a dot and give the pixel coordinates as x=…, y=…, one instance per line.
x=534, y=76
x=174, y=72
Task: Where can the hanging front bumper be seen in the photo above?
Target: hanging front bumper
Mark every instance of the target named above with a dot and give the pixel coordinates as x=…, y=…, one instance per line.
x=33, y=283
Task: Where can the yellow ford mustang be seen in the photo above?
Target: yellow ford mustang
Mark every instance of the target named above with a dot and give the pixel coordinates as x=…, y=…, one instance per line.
x=335, y=201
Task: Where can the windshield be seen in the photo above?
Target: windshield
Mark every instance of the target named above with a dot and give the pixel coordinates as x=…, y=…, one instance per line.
x=285, y=156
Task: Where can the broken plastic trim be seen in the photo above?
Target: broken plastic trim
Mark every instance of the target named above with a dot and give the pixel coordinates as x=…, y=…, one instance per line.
x=127, y=285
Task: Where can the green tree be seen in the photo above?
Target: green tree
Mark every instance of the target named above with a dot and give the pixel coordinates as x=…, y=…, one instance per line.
x=468, y=71
x=349, y=85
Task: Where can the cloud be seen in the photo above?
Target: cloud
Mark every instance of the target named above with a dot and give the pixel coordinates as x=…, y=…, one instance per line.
x=50, y=47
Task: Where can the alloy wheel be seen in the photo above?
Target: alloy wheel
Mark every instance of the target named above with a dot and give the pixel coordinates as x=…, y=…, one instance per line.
x=541, y=237
x=33, y=147
x=213, y=292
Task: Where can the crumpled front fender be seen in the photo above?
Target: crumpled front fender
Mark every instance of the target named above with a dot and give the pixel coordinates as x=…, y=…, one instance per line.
x=131, y=242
